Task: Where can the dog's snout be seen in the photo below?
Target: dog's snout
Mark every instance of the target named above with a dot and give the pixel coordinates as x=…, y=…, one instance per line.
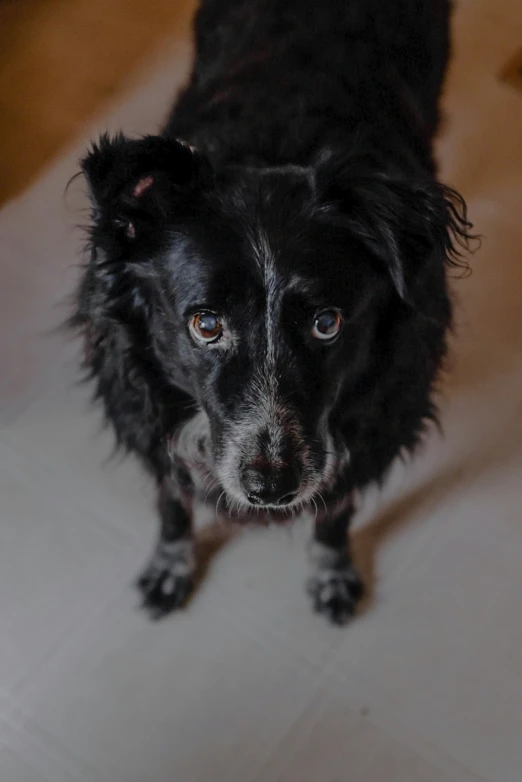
x=270, y=485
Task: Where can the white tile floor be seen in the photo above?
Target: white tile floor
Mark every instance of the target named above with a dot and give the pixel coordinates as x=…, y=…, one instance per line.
x=248, y=685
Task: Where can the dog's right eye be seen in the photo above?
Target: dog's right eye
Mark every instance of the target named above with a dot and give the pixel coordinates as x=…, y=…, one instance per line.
x=205, y=327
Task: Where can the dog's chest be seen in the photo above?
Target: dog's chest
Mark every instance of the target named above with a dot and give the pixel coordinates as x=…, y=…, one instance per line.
x=192, y=453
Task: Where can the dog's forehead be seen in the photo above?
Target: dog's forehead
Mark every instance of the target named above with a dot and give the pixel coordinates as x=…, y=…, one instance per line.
x=278, y=194
x=255, y=222
x=262, y=236
x=273, y=215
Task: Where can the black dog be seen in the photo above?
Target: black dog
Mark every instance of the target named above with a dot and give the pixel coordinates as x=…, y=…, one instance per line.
x=265, y=308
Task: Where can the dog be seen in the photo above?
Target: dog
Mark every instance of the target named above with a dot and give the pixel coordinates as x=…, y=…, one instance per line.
x=265, y=306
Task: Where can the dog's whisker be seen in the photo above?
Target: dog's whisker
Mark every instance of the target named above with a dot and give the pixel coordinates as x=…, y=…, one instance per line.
x=209, y=490
x=217, y=504
x=318, y=493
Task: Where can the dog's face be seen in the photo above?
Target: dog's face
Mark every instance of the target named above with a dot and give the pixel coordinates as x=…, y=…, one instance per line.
x=258, y=291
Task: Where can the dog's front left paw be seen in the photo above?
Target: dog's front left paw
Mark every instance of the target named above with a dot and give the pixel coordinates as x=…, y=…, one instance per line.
x=168, y=579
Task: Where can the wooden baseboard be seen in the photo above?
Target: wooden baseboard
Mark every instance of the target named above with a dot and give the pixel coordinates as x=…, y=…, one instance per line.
x=512, y=71
x=61, y=62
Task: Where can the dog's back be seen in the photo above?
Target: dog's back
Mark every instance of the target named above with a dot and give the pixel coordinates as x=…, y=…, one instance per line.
x=275, y=81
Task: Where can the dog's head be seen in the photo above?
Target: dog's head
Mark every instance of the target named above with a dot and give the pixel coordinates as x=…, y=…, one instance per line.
x=258, y=291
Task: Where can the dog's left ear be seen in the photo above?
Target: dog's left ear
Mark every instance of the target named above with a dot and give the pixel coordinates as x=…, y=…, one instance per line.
x=406, y=223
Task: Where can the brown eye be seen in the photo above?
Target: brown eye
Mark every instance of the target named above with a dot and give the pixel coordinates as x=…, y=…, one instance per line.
x=327, y=325
x=205, y=327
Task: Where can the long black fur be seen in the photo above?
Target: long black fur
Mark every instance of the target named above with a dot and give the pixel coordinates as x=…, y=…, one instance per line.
x=294, y=175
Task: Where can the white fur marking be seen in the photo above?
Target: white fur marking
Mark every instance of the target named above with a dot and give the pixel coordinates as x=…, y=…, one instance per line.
x=327, y=559
x=177, y=557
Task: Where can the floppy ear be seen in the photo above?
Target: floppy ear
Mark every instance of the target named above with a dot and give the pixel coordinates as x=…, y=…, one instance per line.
x=136, y=173
x=406, y=223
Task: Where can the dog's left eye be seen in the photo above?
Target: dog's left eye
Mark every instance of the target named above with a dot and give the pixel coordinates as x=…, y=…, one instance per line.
x=327, y=324
x=206, y=327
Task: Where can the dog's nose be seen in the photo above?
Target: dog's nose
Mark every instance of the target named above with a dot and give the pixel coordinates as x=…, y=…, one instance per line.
x=270, y=486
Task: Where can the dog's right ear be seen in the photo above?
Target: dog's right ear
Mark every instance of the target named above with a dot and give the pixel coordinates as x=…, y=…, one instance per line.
x=139, y=173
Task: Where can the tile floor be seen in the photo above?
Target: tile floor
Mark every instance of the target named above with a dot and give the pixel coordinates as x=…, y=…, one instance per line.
x=248, y=685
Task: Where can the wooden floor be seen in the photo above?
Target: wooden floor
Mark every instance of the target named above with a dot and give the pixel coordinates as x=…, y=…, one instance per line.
x=61, y=61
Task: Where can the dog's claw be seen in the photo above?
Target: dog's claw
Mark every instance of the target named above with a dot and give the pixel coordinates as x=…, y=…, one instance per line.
x=335, y=594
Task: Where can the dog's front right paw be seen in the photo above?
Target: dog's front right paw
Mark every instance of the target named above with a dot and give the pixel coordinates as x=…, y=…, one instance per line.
x=168, y=580
x=336, y=593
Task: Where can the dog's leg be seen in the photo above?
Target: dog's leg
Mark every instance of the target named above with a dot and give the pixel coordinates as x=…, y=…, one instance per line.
x=334, y=585
x=169, y=577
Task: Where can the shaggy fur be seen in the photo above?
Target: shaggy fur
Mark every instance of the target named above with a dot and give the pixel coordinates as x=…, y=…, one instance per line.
x=290, y=208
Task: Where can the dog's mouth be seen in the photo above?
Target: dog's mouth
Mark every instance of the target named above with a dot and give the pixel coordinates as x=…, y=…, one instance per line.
x=230, y=509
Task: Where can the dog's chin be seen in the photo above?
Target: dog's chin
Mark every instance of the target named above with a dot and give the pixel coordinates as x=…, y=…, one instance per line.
x=239, y=509
x=261, y=515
